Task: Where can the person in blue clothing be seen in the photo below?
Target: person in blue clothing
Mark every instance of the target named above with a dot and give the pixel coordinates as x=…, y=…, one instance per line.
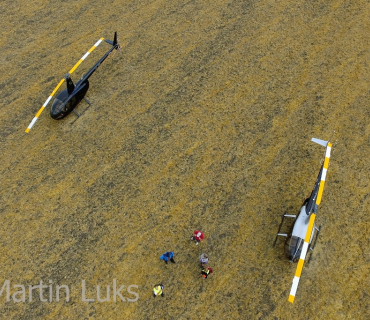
x=168, y=256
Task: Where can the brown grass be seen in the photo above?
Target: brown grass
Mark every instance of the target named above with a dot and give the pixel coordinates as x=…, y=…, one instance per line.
x=203, y=121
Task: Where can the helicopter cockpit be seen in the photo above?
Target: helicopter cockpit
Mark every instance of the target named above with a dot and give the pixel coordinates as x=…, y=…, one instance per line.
x=65, y=101
x=59, y=105
x=294, y=242
x=293, y=247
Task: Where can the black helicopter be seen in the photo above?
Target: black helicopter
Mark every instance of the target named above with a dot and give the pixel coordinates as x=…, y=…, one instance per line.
x=301, y=237
x=66, y=101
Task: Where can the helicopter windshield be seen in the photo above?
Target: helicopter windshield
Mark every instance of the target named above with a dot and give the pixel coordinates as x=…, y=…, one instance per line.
x=59, y=102
x=293, y=247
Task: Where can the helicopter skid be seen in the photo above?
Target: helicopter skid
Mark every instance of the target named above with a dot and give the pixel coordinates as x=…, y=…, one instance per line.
x=80, y=114
x=313, y=243
x=285, y=215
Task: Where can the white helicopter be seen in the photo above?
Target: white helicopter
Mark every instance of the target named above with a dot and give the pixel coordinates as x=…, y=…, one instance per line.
x=301, y=237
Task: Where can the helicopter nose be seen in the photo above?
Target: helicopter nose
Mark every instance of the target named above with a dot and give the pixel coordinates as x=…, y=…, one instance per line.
x=293, y=259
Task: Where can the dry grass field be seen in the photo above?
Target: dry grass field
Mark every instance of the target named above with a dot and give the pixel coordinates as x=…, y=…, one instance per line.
x=203, y=120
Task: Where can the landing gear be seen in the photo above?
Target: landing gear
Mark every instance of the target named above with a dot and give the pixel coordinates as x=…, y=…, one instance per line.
x=313, y=243
x=87, y=101
x=77, y=114
x=281, y=224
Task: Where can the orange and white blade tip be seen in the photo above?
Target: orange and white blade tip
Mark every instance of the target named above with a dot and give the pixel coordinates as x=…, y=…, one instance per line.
x=302, y=258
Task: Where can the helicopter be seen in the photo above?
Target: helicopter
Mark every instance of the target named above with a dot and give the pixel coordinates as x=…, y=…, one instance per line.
x=67, y=100
x=304, y=233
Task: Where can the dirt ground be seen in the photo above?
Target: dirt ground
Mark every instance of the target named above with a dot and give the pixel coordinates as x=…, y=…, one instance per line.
x=203, y=121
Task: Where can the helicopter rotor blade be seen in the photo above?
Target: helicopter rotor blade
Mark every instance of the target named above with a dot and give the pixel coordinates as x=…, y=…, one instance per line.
x=323, y=174
x=85, y=55
x=311, y=224
x=43, y=106
x=60, y=83
x=298, y=272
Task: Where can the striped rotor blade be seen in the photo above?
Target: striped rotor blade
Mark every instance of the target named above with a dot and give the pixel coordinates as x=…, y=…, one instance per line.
x=323, y=174
x=60, y=83
x=298, y=271
x=302, y=258
x=43, y=106
x=86, y=55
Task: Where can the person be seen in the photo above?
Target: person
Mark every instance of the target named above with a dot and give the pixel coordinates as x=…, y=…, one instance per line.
x=158, y=290
x=206, y=271
x=167, y=256
x=198, y=236
x=203, y=259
